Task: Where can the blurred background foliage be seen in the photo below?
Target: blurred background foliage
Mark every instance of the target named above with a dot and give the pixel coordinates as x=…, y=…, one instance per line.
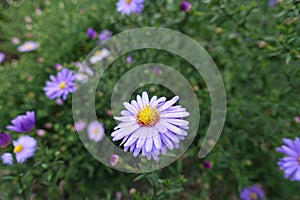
x=255, y=46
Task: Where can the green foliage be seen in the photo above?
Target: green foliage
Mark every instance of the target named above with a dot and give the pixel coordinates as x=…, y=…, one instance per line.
x=256, y=48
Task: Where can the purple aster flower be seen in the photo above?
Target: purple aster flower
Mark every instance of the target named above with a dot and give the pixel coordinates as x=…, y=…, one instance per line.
x=15, y=40
x=151, y=126
x=61, y=85
x=7, y=159
x=130, y=6
x=252, y=193
x=41, y=132
x=185, y=6
x=95, y=131
x=91, y=33
x=290, y=164
x=104, y=35
x=58, y=67
x=24, y=148
x=114, y=159
x=23, y=123
x=59, y=101
x=5, y=140
x=272, y=3
x=2, y=57
x=128, y=59
x=28, y=46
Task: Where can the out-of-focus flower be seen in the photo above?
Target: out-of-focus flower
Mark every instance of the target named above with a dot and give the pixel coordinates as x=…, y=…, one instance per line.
x=24, y=148
x=91, y=33
x=185, y=6
x=261, y=44
x=297, y=119
x=218, y=30
x=27, y=19
x=79, y=126
x=127, y=7
x=23, y=123
x=252, y=193
x=7, y=159
x=84, y=72
x=2, y=57
x=95, y=131
x=290, y=164
x=61, y=85
x=5, y=140
x=58, y=67
x=48, y=125
x=38, y=11
x=272, y=3
x=28, y=46
x=128, y=59
x=41, y=132
x=156, y=70
x=40, y=60
x=206, y=164
x=114, y=159
x=151, y=126
x=59, y=101
x=99, y=55
x=104, y=35
x=15, y=40
x=118, y=195
x=109, y=112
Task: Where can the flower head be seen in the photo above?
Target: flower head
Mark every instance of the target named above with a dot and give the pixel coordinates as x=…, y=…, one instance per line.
x=7, y=159
x=79, y=126
x=61, y=85
x=290, y=164
x=104, y=35
x=272, y=3
x=91, y=33
x=151, y=126
x=23, y=123
x=114, y=159
x=185, y=6
x=2, y=57
x=130, y=6
x=99, y=55
x=5, y=140
x=24, y=148
x=95, y=131
x=128, y=59
x=297, y=119
x=206, y=164
x=41, y=132
x=28, y=46
x=252, y=193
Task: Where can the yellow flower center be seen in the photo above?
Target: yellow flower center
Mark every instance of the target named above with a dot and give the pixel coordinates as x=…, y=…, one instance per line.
x=128, y=1
x=95, y=131
x=253, y=196
x=147, y=116
x=62, y=85
x=298, y=160
x=18, y=148
x=97, y=53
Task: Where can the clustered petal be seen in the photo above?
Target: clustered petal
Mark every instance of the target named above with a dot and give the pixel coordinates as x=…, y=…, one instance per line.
x=23, y=123
x=130, y=6
x=151, y=126
x=61, y=85
x=24, y=148
x=7, y=159
x=290, y=164
x=253, y=192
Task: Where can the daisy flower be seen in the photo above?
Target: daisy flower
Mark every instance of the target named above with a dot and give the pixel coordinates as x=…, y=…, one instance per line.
x=7, y=159
x=24, y=148
x=4, y=140
x=150, y=126
x=61, y=85
x=28, y=46
x=130, y=6
x=99, y=55
x=290, y=164
x=95, y=131
x=23, y=123
x=252, y=193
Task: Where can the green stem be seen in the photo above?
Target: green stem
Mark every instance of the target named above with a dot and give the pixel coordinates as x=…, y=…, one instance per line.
x=22, y=186
x=154, y=176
